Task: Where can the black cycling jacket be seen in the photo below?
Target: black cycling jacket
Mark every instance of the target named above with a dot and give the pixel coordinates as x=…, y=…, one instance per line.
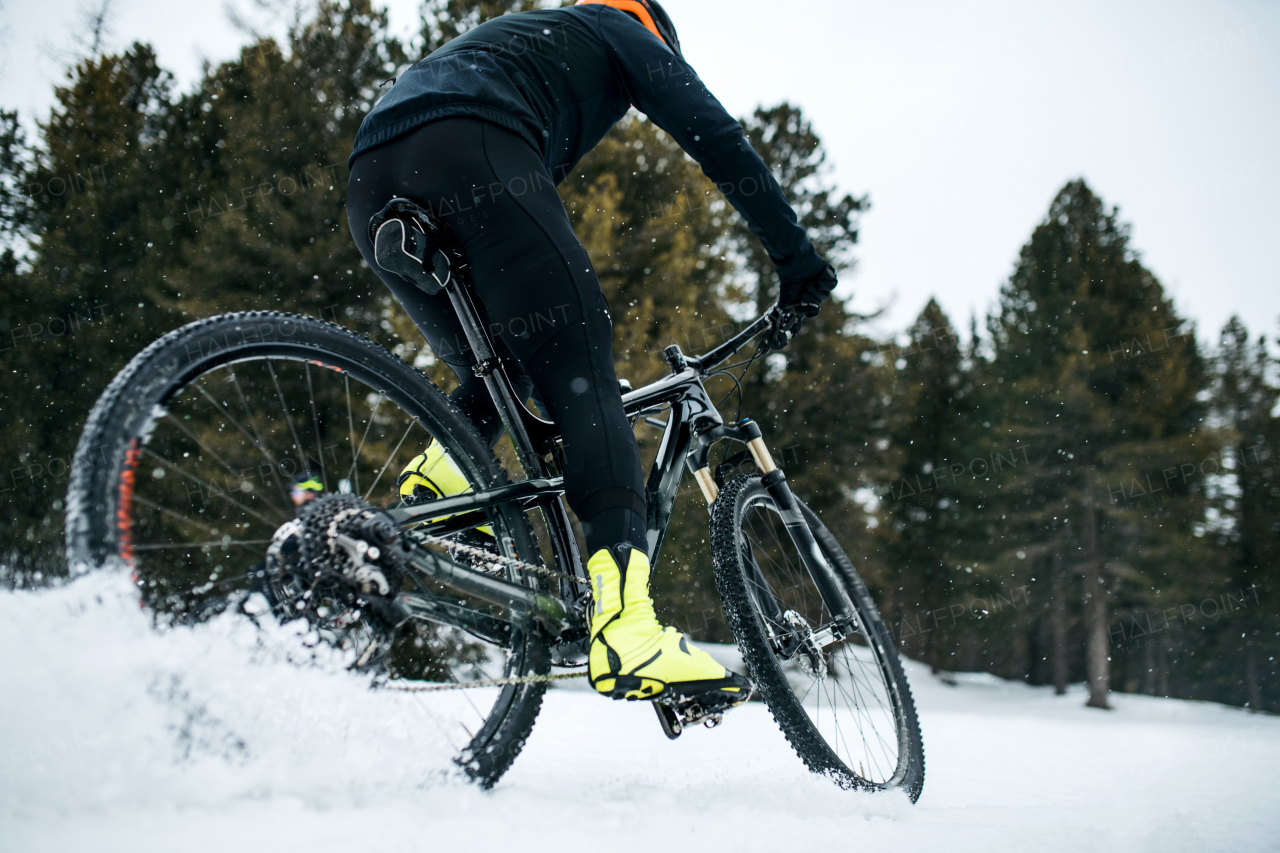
x=562, y=77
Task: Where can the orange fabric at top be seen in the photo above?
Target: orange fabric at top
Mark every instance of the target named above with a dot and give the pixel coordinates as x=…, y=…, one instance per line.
x=635, y=7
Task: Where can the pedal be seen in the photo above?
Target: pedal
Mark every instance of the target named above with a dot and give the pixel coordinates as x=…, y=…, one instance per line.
x=671, y=725
x=676, y=713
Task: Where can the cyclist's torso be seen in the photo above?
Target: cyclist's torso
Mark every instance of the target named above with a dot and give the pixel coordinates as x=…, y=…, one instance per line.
x=560, y=78
x=546, y=75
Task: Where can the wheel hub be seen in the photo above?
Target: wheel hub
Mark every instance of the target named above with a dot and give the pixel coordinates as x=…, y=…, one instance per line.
x=808, y=654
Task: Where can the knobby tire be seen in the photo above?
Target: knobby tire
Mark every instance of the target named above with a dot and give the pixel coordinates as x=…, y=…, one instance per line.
x=739, y=496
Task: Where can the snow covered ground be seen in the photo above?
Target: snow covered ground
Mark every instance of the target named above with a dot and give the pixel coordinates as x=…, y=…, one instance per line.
x=115, y=737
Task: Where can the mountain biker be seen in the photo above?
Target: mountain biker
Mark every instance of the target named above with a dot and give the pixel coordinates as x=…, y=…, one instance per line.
x=483, y=130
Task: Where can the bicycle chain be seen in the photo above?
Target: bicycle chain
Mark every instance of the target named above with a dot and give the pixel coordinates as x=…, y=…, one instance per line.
x=489, y=556
x=489, y=682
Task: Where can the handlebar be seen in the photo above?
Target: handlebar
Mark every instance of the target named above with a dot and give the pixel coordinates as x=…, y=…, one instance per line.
x=772, y=320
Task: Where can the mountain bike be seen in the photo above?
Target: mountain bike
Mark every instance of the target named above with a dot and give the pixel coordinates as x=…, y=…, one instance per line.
x=182, y=477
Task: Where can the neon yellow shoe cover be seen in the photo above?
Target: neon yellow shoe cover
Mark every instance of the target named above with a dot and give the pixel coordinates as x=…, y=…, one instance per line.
x=631, y=655
x=431, y=475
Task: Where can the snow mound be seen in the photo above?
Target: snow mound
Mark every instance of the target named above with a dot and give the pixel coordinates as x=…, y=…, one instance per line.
x=115, y=736
x=101, y=711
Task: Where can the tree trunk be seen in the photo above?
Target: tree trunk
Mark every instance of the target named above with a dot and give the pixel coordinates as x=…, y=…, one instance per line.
x=969, y=653
x=1251, y=679
x=1058, y=624
x=1162, y=671
x=1149, y=666
x=1097, y=641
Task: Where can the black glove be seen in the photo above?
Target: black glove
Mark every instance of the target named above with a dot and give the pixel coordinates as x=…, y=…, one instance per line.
x=804, y=296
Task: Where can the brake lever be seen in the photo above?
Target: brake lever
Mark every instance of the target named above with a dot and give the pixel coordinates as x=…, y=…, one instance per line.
x=784, y=326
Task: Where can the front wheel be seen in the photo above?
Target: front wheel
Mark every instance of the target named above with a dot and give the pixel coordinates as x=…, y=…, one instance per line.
x=838, y=692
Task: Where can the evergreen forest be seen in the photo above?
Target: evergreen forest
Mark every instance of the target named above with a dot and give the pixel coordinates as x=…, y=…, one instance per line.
x=1079, y=487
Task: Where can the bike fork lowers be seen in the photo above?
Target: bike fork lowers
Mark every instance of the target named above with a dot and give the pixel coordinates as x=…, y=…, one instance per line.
x=815, y=562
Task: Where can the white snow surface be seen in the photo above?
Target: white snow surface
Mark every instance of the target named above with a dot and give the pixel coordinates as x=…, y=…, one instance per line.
x=114, y=736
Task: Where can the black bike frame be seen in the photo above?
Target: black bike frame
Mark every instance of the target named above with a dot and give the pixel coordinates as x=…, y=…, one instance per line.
x=692, y=427
x=693, y=415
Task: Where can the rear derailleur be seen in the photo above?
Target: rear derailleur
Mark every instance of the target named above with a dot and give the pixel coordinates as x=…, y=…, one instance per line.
x=339, y=565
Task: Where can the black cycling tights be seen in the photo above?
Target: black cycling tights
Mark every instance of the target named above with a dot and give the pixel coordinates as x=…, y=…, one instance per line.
x=540, y=295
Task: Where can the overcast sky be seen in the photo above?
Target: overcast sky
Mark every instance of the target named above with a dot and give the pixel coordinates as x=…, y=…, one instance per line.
x=960, y=119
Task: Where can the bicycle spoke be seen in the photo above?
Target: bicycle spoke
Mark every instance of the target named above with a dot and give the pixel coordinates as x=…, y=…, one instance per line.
x=284, y=409
x=254, y=423
x=848, y=703
x=355, y=458
x=190, y=546
x=235, y=423
x=351, y=426
x=204, y=516
x=216, y=457
x=315, y=422
x=859, y=716
x=390, y=458
x=212, y=489
x=208, y=528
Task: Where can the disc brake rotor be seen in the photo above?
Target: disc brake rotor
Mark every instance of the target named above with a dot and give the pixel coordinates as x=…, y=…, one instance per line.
x=809, y=654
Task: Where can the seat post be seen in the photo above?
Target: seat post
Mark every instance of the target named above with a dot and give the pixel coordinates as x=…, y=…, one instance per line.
x=489, y=368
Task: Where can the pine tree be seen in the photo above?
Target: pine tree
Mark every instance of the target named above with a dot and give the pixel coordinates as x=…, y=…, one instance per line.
x=1098, y=372
x=15, y=189
x=15, y=209
x=151, y=211
x=445, y=20
x=921, y=503
x=74, y=312
x=792, y=150
x=1245, y=397
x=263, y=197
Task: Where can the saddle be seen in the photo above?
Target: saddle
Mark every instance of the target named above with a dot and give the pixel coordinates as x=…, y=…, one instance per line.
x=413, y=242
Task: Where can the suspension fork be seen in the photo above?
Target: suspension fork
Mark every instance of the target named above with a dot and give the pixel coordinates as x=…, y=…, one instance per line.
x=821, y=571
x=815, y=563
x=749, y=432
x=768, y=605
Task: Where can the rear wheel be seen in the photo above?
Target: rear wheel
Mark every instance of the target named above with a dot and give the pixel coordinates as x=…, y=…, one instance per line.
x=840, y=698
x=183, y=476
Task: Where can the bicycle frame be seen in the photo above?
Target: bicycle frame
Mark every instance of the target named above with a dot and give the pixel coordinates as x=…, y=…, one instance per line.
x=692, y=427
